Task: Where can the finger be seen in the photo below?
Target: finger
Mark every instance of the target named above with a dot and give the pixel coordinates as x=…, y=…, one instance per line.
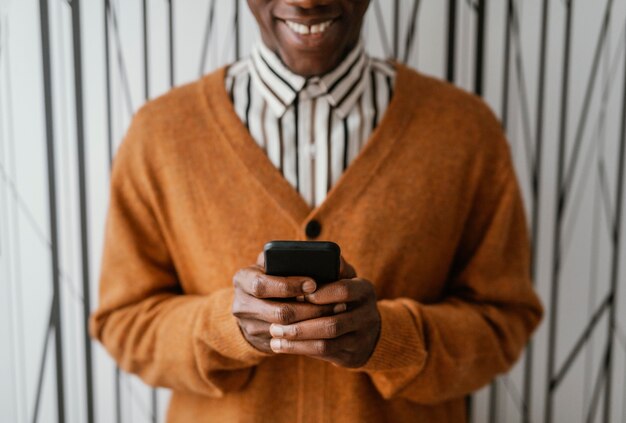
x=261, y=343
x=342, y=291
x=260, y=260
x=281, y=312
x=346, y=271
x=254, y=282
x=321, y=328
x=255, y=327
x=313, y=348
x=318, y=348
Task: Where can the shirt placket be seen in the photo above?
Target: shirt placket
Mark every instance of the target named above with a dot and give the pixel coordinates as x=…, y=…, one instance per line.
x=308, y=99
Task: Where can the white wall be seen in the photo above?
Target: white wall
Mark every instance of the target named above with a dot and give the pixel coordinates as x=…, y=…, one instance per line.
x=25, y=251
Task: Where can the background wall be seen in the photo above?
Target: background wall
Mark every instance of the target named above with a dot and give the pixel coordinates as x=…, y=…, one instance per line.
x=73, y=72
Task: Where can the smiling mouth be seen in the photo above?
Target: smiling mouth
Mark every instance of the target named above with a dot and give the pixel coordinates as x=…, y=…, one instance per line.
x=302, y=29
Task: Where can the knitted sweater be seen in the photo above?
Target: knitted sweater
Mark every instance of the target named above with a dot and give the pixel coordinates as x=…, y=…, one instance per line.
x=430, y=212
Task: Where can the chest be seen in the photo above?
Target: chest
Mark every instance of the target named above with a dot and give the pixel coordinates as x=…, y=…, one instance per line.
x=398, y=229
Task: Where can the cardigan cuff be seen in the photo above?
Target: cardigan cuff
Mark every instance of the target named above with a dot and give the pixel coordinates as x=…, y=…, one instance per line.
x=400, y=343
x=218, y=327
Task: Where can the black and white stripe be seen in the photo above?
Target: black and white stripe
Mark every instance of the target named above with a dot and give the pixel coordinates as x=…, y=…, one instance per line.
x=311, y=128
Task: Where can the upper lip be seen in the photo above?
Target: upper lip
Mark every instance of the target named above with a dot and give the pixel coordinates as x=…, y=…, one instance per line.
x=309, y=21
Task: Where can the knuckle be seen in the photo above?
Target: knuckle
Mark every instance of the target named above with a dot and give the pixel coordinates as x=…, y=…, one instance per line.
x=343, y=292
x=366, y=288
x=321, y=347
x=283, y=314
x=331, y=328
x=244, y=328
x=282, y=288
x=257, y=287
x=295, y=332
x=256, y=330
x=236, y=309
x=235, y=312
x=237, y=277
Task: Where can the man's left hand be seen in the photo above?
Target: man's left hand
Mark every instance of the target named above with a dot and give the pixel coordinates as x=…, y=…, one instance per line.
x=346, y=339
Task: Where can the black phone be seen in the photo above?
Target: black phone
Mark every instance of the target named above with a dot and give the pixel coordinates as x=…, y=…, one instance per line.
x=316, y=259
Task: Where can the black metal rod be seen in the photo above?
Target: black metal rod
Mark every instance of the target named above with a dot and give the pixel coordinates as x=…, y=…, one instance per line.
x=450, y=64
x=506, y=65
x=527, y=132
x=481, y=30
x=615, y=260
x=42, y=365
x=52, y=202
x=584, y=113
x=107, y=72
x=107, y=65
x=206, y=39
x=170, y=22
x=382, y=30
x=146, y=79
x=155, y=405
x=118, y=394
x=237, y=32
x=82, y=197
x=578, y=345
x=146, y=52
x=558, y=218
x=396, y=29
x=493, y=389
x=120, y=59
x=493, y=402
x=597, y=390
x=412, y=30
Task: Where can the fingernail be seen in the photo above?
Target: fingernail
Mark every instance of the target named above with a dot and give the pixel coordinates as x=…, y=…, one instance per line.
x=308, y=287
x=339, y=308
x=276, y=330
x=275, y=345
x=300, y=298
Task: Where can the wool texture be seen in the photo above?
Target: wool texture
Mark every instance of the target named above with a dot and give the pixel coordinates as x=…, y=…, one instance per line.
x=430, y=212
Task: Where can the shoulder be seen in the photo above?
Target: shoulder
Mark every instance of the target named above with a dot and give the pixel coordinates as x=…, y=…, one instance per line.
x=458, y=120
x=173, y=119
x=180, y=104
x=445, y=100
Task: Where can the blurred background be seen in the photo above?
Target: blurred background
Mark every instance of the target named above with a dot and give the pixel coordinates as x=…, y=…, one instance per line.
x=73, y=72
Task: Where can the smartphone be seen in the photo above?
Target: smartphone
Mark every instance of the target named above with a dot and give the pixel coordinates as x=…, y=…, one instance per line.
x=316, y=259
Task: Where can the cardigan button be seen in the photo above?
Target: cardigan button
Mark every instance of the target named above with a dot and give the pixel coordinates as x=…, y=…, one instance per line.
x=313, y=229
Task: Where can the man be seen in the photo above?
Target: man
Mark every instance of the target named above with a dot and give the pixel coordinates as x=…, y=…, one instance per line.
x=310, y=138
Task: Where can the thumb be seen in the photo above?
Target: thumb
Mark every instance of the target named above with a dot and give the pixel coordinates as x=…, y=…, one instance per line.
x=346, y=271
x=260, y=260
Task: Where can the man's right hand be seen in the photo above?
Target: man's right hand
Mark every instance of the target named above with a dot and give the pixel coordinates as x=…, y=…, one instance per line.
x=257, y=303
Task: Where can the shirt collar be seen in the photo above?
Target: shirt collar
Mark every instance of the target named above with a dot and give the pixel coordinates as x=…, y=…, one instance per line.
x=279, y=86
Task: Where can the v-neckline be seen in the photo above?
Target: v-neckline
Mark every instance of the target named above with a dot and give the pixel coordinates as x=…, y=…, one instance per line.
x=352, y=181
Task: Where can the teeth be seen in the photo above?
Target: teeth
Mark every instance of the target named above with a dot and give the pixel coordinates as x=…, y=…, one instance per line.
x=306, y=30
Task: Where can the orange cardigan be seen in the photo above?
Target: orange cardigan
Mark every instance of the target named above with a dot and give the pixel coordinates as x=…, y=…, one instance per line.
x=430, y=211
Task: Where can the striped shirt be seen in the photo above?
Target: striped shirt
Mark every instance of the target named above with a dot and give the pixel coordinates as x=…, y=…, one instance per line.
x=310, y=128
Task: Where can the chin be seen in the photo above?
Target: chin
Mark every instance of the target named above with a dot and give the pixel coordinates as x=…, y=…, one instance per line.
x=308, y=66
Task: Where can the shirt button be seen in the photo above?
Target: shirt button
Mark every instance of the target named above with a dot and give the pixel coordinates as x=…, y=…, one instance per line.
x=313, y=229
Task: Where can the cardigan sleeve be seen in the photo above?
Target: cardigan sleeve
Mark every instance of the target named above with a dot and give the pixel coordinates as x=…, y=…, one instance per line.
x=147, y=324
x=430, y=353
